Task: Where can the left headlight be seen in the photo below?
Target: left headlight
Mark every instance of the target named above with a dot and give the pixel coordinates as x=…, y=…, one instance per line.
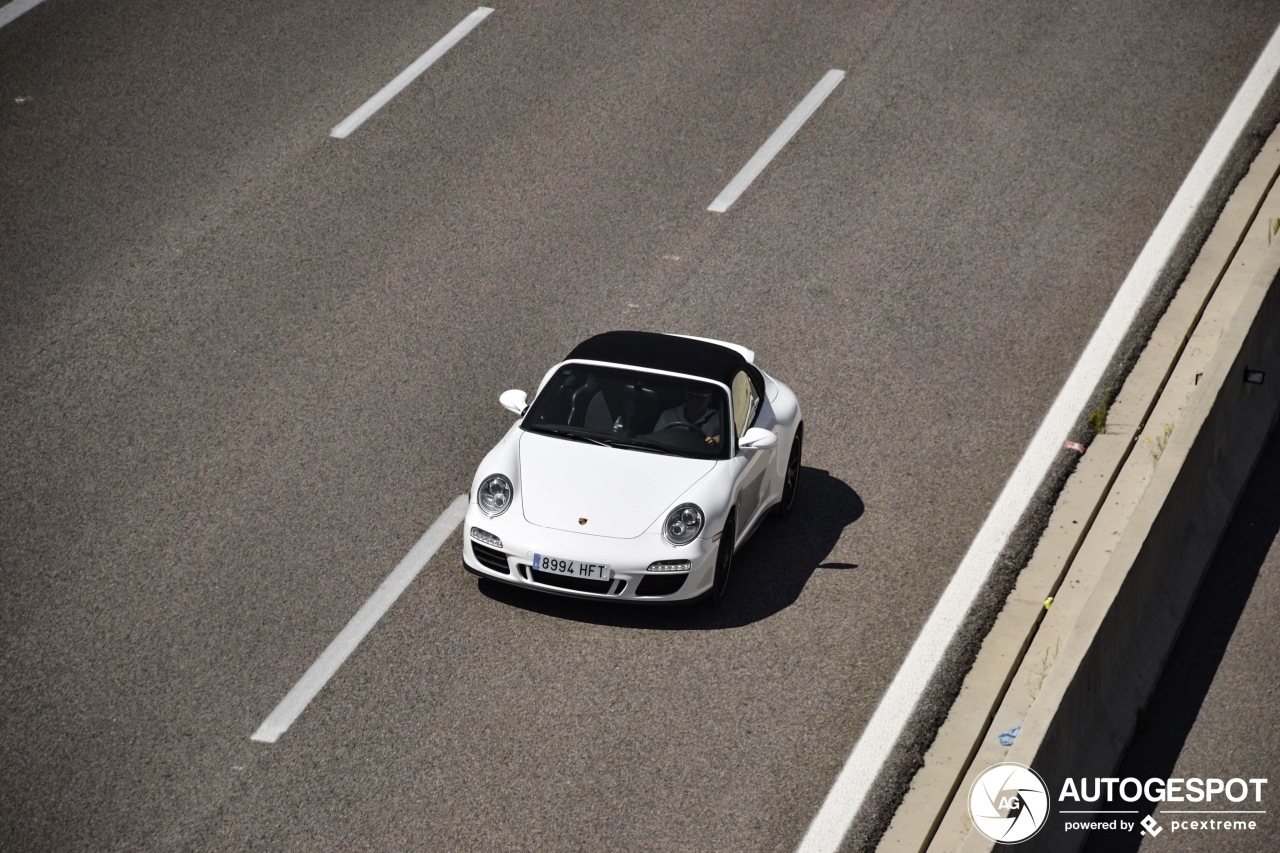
x=494, y=495
x=683, y=524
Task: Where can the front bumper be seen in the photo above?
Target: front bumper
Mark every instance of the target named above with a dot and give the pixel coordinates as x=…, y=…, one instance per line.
x=629, y=560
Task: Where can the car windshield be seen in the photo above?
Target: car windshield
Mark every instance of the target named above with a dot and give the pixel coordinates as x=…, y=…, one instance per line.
x=632, y=408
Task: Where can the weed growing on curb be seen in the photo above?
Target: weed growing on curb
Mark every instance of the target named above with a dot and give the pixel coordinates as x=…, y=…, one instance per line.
x=1156, y=448
x=1098, y=417
x=1035, y=680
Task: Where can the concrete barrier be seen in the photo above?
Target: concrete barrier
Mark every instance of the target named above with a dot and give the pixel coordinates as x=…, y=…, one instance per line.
x=1032, y=656
x=1085, y=713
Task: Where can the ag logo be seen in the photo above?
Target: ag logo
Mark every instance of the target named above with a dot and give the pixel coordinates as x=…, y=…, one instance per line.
x=1009, y=803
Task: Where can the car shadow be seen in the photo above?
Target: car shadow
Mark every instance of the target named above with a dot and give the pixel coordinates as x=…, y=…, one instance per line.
x=769, y=571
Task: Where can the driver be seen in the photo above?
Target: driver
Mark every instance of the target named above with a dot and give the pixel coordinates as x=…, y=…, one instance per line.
x=696, y=411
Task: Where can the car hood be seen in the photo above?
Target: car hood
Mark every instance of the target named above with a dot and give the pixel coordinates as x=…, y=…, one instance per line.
x=619, y=492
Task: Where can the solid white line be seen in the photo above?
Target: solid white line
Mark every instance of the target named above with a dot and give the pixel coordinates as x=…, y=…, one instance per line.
x=774, y=143
x=315, y=678
x=407, y=76
x=883, y=730
x=15, y=9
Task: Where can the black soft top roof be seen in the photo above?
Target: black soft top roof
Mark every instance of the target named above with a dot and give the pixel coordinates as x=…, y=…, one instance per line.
x=670, y=353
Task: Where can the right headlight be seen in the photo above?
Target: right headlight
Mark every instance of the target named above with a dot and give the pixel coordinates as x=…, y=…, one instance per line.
x=683, y=524
x=494, y=495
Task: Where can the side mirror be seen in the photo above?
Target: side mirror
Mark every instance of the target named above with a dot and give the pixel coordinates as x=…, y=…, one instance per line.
x=515, y=400
x=757, y=438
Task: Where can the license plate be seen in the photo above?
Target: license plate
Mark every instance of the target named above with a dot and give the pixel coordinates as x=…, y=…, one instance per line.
x=575, y=568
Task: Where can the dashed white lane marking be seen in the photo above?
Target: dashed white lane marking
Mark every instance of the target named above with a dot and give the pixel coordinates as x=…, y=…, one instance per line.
x=774, y=143
x=315, y=678
x=407, y=76
x=15, y=9
x=883, y=730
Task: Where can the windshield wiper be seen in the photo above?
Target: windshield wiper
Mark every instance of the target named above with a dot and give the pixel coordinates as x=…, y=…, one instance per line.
x=639, y=444
x=567, y=433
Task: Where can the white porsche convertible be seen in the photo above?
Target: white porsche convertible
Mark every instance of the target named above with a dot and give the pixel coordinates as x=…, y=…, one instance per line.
x=644, y=461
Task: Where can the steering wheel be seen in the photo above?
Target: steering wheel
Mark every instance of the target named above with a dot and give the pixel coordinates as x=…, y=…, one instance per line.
x=688, y=426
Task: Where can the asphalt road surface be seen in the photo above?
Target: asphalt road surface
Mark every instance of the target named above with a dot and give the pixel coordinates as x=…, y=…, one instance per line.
x=244, y=365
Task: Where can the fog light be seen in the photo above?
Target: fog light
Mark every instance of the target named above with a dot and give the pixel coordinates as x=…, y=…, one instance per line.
x=486, y=537
x=669, y=566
